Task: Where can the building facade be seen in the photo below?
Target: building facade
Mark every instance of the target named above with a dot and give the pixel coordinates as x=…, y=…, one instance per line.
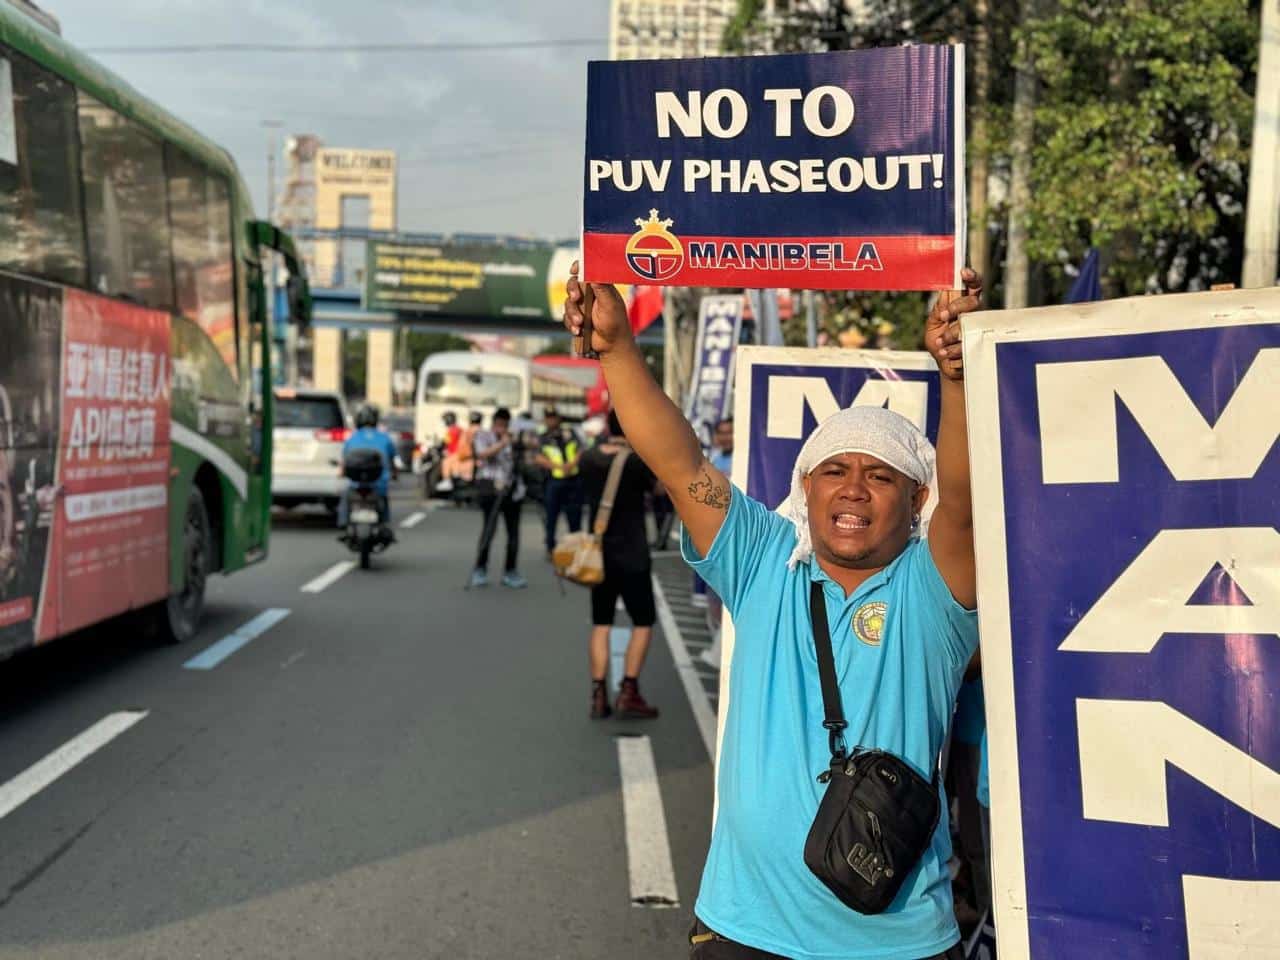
x=663, y=29
x=338, y=188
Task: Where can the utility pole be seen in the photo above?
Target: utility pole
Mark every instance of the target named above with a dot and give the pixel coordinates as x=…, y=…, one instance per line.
x=288, y=348
x=670, y=347
x=810, y=318
x=1018, y=264
x=1262, y=214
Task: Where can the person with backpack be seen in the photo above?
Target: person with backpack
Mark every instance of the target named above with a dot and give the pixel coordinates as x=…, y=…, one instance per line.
x=627, y=571
x=367, y=436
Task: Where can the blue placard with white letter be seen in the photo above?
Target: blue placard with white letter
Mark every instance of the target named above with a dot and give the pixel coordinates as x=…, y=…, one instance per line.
x=711, y=386
x=1127, y=497
x=783, y=393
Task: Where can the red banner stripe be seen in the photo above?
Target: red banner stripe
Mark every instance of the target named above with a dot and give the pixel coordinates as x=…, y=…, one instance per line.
x=827, y=263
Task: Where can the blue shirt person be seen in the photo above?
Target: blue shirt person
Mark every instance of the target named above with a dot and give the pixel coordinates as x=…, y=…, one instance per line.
x=371, y=438
x=903, y=630
x=901, y=645
x=367, y=436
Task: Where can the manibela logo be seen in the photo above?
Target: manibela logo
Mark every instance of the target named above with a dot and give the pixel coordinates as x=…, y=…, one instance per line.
x=653, y=251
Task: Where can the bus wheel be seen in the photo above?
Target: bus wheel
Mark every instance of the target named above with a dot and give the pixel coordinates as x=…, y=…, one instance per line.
x=178, y=618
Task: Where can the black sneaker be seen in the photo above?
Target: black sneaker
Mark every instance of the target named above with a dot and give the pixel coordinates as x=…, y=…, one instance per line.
x=600, y=701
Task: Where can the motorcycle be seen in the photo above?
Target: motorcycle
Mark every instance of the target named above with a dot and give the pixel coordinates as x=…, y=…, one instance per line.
x=365, y=534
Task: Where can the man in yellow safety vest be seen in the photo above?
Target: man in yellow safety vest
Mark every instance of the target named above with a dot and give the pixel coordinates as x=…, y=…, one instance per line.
x=559, y=449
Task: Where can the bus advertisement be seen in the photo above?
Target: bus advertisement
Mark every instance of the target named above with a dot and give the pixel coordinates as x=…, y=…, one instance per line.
x=135, y=398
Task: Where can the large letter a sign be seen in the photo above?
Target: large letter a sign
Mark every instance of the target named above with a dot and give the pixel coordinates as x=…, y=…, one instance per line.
x=1127, y=509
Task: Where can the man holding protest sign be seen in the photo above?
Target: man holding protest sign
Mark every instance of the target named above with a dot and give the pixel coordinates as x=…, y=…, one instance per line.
x=902, y=630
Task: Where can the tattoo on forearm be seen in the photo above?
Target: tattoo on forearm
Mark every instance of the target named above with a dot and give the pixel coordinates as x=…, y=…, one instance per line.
x=708, y=491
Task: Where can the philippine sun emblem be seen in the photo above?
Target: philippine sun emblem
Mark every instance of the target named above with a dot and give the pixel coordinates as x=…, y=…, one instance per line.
x=653, y=251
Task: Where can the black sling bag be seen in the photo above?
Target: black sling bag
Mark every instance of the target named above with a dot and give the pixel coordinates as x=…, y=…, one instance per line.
x=878, y=815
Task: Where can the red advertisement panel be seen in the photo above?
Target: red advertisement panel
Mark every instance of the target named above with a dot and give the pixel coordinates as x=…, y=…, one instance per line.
x=109, y=549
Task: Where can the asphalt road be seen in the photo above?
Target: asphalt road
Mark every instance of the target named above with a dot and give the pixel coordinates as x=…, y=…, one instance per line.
x=398, y=768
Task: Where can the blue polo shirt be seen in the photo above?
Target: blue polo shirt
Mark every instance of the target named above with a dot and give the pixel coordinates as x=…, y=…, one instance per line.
x=371, y=438
x=901, y=645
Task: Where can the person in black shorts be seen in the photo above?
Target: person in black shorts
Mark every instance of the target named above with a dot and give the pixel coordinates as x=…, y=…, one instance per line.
x=627, y=574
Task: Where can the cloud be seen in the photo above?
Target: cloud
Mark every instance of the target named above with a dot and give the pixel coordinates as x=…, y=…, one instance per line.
x=488, y=141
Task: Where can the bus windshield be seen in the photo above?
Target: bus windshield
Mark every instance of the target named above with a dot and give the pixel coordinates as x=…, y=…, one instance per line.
x=472, y=389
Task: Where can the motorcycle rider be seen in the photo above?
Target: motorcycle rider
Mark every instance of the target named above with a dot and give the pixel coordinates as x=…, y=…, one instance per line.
x=367, y=436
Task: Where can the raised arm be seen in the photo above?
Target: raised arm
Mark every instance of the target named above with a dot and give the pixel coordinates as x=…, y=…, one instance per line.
x=951, y=528
x=491, y=451
x=655, y=427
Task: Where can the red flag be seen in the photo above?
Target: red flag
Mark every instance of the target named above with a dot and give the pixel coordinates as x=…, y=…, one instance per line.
x=645, y=306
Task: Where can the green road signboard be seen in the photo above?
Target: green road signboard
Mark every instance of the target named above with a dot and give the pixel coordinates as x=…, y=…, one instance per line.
x=467, y=280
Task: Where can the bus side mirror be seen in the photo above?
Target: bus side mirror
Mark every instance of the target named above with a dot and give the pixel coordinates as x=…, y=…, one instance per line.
x=297, y=292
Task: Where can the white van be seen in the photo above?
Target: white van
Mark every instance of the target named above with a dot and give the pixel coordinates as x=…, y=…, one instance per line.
x=465, y=383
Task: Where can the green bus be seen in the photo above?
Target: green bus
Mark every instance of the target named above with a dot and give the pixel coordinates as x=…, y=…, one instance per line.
x=135, y=380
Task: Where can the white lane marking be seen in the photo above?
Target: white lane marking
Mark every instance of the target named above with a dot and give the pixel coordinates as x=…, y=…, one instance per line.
x=210, y=657
x=412, y=520
x=698, y=702
x=334, y=573
x=653, y=880
x=43, y=772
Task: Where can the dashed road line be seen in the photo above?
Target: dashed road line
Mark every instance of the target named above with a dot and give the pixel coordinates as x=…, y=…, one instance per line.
x=334, y=573
x=653, y=880
x=689, y=677
x=412, y=520
x=44, y=772
x=214, y=655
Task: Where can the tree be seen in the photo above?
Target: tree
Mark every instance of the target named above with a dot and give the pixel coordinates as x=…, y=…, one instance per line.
x=1138, y=142
x=1146, y=160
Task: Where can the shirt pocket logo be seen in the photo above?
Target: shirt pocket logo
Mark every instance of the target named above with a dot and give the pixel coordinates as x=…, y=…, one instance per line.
x=868, y=622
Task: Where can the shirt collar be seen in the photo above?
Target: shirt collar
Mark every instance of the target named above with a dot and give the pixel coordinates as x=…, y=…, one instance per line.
x=878, y=579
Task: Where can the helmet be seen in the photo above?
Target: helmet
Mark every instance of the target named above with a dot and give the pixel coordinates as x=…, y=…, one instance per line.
x=476, y=417
x=367, y=416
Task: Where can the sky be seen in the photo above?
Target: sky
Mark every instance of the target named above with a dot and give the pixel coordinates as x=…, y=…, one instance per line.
x=488, y=141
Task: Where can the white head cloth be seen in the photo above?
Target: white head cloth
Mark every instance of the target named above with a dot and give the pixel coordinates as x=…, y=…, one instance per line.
x=877, y=431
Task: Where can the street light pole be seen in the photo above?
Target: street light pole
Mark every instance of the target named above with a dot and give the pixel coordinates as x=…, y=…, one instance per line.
x=287, y=351
x=1262, y=213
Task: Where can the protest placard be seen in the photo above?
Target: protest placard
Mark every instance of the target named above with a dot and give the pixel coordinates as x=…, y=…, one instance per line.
x=1126, y=483
x=783, y=393
x=711, y=386
x=841, y=170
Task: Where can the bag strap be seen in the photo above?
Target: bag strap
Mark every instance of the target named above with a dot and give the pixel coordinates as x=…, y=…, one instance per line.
x=834, y=722
x=611, y=485
x=831, y=706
